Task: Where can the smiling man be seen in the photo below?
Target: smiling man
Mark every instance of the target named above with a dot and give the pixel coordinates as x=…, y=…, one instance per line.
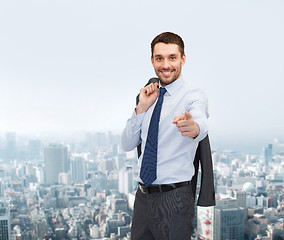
x=169, y=121
x=167, y=61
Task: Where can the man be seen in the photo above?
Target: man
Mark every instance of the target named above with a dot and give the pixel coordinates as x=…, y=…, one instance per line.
x=169, y=121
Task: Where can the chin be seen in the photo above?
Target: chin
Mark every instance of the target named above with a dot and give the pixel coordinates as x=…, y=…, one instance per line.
x=167, y=80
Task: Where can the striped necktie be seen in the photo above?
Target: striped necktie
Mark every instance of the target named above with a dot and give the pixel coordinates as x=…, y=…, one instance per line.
x=148, y=171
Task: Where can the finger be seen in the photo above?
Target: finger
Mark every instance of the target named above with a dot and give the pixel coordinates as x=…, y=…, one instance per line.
x=154, y=87
x=188, y=115
x=185, y=129
x=178, y=118
x=189, y=131
x=149, y=89
x=183, y=123
x=187, y=134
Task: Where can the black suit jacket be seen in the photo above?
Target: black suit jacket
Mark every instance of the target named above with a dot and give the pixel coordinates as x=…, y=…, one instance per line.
x=203, y=157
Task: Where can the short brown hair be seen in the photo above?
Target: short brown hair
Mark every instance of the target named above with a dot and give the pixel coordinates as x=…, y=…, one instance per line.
x=168, y=37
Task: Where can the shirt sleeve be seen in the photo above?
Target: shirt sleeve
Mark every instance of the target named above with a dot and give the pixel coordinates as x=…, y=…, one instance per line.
x=131, y=135
x=198, y=108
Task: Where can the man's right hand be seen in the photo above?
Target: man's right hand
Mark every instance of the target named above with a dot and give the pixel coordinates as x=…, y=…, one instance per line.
x=147, y=97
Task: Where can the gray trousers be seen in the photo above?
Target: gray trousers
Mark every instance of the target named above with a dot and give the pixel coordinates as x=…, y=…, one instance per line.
x=163, y=216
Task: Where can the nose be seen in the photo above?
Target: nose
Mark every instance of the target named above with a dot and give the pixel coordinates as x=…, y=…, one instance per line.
x=166, y=64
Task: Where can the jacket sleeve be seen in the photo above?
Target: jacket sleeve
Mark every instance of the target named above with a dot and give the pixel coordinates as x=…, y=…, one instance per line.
x=203, y=156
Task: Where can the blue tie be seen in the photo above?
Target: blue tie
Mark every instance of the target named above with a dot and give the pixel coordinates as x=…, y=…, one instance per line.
x=148, y=171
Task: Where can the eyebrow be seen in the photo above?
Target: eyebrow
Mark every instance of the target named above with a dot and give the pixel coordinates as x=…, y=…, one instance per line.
x=171, y=55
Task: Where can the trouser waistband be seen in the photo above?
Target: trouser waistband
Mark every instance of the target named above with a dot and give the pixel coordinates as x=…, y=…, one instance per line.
x=161, y=188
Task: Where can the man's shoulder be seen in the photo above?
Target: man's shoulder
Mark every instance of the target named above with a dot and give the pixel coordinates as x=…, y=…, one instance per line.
x=193, y=90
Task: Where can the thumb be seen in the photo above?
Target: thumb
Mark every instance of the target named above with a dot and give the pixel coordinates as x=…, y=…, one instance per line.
x=187, y=115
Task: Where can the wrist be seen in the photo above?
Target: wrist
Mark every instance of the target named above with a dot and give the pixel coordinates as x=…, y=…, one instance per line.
x=197, y=130
x=140, y=109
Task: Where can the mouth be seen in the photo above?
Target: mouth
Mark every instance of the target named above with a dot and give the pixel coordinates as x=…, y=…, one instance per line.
x=166, y=73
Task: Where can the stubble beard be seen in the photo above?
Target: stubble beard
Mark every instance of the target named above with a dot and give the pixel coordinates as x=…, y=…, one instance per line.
x=166, y=81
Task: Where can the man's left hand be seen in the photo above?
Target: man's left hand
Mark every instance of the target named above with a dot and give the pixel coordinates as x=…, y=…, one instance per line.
x=186, y=125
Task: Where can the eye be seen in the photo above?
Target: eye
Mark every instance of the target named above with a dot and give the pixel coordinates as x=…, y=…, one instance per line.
x=158, y=59
x=173, y=58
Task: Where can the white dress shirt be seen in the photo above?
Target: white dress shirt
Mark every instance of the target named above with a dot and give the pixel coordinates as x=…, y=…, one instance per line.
x=176, y=153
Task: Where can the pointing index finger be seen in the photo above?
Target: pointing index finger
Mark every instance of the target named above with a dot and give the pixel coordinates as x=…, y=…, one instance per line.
x=178, y=118
x=187, y=115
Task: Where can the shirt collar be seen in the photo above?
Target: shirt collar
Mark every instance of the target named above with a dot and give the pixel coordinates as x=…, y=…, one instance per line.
x=171, y=88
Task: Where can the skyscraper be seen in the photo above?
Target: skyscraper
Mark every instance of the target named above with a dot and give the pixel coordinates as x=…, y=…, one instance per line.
x=40, y=228
x=228, y=220
x=241, y=197
x=5, y=227
x=56, y=161
x=268, y=154
x=10, y=146
x=78, y=169
x=125, y=180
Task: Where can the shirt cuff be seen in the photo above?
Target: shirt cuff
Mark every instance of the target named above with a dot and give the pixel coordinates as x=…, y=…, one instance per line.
x=203, y=129
x=136, y=121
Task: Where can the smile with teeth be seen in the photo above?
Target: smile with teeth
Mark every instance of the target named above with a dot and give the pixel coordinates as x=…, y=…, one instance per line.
x=166, y=72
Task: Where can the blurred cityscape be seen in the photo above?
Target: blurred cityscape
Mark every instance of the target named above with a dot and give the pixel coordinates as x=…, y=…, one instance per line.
x=82, y=186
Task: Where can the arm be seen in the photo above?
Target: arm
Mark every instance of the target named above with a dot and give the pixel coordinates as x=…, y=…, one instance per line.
x=131, y=134
x=194, y=124
x=130, y=137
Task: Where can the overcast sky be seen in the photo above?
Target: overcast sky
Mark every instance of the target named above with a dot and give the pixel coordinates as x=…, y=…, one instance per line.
x=70, y=65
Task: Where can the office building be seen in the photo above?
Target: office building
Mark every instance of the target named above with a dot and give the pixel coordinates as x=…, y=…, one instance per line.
x=5, y=227
x=78, y=169
x=56, y=161
x=11, y=152
x=268, y=154
x=40, y=228
x=228, y=220
x=64, y=178
x=241, y=197
x=125, y=180
x=99, y=181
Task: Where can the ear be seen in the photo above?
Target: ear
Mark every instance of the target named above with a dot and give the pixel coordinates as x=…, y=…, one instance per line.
x=152, y=60
x=183, y=59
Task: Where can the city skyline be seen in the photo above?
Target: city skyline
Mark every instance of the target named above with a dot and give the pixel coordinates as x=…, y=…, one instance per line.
x=40, y=199
x=254, y=148
x=70, y=66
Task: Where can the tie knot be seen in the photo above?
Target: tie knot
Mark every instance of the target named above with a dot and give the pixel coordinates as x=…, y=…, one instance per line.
x=162, y=91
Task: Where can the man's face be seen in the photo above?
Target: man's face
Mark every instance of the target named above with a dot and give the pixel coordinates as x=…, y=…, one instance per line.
x=167, y=62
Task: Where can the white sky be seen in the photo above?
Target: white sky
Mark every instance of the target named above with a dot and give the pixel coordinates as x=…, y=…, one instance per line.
x=77, y=65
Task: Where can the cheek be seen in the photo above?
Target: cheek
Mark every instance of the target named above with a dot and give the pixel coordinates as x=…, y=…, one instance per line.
x=157, y=67
x=179, y=66
x=176, y=66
